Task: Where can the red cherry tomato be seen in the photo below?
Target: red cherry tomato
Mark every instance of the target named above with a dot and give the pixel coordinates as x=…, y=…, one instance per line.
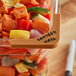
x=24, y=24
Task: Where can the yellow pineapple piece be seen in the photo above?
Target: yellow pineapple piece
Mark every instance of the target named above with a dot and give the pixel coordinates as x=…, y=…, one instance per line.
x=19, y=34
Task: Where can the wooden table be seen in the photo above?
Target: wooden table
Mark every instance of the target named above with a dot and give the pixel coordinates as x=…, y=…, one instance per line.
x=58, y=56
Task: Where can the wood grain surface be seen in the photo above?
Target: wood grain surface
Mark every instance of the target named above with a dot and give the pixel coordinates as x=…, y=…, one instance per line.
x=58, y=56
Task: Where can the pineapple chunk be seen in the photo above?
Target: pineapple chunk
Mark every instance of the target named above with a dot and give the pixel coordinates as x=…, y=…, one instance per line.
x=19, y=34
x=21, y=68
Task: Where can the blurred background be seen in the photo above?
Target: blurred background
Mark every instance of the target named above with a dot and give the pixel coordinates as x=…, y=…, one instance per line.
x=68, y=10
x=58, y=56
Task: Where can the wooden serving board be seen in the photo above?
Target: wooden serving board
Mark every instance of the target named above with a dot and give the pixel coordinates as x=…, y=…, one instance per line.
x=58, y=56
